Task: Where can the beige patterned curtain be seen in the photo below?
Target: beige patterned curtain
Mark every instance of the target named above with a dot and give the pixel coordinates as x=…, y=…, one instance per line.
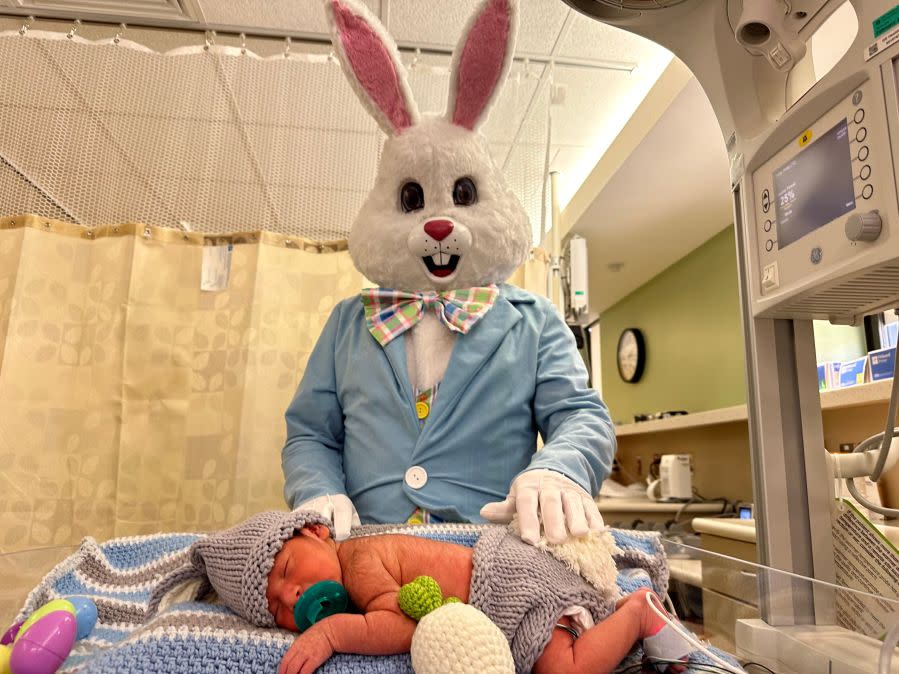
x=132, y=401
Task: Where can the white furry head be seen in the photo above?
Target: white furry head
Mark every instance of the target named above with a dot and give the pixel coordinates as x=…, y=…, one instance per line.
x=440, y=215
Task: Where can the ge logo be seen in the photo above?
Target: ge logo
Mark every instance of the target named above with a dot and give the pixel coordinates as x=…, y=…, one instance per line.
x=816, y=255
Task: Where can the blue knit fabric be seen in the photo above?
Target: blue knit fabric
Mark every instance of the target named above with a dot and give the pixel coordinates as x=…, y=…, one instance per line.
x=197, y=637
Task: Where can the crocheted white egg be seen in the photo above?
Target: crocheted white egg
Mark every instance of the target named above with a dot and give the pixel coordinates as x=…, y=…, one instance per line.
x=460, y=639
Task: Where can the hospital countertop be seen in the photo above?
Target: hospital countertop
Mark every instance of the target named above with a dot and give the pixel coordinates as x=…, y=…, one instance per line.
x=744, y=530
x=644, y=505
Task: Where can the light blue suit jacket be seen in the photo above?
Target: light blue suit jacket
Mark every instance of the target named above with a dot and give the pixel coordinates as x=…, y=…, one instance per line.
x=352, y=427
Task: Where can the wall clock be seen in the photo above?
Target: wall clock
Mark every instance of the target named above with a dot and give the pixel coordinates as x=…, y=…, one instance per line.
x=631, y=355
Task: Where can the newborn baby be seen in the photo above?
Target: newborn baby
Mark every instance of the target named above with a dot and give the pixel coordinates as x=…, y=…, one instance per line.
x=262, y=567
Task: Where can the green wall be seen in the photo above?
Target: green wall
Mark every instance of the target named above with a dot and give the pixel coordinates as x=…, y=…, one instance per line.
x=690, y=318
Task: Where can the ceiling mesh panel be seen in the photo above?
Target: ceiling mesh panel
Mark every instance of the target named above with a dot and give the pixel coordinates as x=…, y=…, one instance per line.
x=99, y=133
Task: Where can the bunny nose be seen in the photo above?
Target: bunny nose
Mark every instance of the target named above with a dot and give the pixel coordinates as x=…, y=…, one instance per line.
x=438, y=229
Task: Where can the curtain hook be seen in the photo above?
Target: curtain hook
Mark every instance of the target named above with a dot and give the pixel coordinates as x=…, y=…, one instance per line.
x=76, y=24
x=243, y=43
x=25, y=26
x=415, y=58
x=287, y=42
x=118, y=35
x=209, y=38
x=332, y=57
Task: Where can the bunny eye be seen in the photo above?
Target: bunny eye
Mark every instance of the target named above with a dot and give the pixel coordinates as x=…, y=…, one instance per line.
x=464, y=192
x=412, y=197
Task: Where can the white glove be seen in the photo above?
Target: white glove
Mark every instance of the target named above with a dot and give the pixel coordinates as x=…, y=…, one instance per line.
x=560, y=503
x=338, y=508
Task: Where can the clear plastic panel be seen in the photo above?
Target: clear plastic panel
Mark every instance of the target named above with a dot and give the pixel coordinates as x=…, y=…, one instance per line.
x=20, y=572
x=734, y=604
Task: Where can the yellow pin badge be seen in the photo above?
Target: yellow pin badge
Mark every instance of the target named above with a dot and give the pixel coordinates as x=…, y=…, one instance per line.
x=805, y=138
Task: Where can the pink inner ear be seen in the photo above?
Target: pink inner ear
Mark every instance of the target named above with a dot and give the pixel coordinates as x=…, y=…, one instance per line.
x=481, y=63
x=373, y=66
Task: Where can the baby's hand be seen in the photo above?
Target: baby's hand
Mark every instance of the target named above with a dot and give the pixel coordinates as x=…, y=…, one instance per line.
x=307, y=653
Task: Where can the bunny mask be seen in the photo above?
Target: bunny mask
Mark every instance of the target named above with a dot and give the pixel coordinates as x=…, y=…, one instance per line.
x=440, y=215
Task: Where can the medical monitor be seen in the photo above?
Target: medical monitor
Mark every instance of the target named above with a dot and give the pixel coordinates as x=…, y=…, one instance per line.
x=821, y=208
x=815, y=186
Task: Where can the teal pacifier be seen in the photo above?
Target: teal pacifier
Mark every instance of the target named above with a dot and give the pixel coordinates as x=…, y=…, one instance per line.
x=318, y=602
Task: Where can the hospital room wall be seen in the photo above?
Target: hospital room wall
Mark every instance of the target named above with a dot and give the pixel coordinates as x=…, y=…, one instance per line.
x=690, y=319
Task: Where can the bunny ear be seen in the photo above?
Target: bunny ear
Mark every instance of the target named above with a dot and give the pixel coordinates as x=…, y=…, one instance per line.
x=481, y=61
x=372, y=64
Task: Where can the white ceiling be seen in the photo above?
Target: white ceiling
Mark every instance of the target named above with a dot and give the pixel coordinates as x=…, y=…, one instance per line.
x=669, y=196
x=603, y=72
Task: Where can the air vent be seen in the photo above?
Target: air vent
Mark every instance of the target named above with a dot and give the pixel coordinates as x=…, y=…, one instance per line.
x=615, y=11
x=848, y=299
x=639, y=5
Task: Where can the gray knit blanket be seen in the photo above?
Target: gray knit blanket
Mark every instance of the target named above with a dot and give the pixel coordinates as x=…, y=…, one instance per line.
x=196, y=636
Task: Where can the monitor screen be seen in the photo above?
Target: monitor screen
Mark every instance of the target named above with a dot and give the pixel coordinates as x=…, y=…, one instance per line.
x=815, y=186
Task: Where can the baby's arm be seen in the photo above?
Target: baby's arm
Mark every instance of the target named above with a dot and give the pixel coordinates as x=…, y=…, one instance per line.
x=376, y=632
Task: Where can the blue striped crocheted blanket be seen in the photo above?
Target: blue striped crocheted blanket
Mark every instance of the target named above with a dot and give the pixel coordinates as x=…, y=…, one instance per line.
x=196, y=636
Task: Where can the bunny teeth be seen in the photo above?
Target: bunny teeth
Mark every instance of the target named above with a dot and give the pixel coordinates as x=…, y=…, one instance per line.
x=441, y=265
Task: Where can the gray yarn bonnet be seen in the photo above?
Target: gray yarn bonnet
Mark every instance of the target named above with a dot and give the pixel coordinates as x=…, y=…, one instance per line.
x=236, y=562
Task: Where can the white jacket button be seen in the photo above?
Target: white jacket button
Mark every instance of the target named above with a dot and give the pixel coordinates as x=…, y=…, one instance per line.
x=416, y=477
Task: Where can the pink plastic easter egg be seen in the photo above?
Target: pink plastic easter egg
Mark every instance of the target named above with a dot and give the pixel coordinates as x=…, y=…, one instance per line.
x=10, y=635
x=44, y=646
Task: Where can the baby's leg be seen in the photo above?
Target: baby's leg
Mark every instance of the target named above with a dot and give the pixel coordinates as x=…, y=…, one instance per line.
x=600, y=649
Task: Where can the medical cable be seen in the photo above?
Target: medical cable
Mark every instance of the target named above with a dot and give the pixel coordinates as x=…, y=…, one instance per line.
x=690, y=639
x=885, y=662
x=889, y=431
x=885, y=440
x=690, y=666
x=699, y=498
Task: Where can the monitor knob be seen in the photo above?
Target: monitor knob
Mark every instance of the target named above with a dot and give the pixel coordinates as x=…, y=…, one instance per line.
x=863, y=226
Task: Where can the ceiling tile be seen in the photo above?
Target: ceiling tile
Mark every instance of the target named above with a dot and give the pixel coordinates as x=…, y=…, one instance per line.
x=442, y=23
x=589, y=39
x=289, y=15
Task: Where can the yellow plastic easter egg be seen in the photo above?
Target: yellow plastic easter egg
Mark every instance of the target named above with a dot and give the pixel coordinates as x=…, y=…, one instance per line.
x=5, y=652
x=49, y=607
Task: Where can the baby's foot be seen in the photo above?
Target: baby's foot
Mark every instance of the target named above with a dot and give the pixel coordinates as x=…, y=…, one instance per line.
x=662, y=640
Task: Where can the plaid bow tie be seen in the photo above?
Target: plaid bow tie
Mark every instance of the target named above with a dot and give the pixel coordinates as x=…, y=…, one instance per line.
x=389, y=313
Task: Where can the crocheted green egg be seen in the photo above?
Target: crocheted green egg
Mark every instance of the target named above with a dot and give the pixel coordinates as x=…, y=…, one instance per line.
x=420, y=597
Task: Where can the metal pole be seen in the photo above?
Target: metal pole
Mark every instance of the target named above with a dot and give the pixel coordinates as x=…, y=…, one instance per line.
x=555, y=282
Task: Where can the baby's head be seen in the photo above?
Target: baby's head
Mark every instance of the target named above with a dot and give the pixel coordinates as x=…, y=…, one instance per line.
x=256, y=566
x=304, y=560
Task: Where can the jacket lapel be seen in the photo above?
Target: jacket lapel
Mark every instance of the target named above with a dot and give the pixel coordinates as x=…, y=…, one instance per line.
x=470, y=353
x=396, y=355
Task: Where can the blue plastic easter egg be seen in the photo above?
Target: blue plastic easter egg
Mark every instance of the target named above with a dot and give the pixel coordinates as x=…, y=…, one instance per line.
x=85, y=615
x=43, y=647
